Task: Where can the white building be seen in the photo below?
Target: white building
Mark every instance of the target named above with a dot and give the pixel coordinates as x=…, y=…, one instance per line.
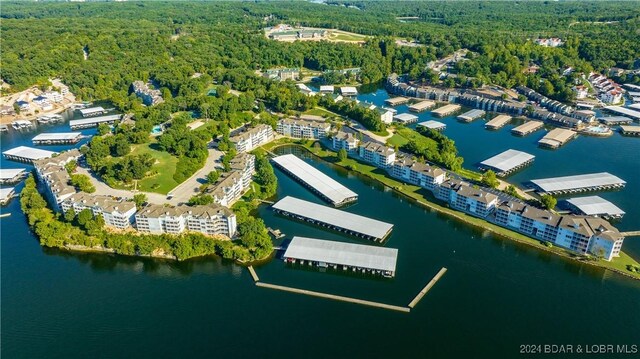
x=298, y=128
x=52, y=173
x=417, y=173
x=346, y=140
x=116, y=213
x=581, y=91
x=378, y=154
x=252, y=138
x=232, y=185
x=149, y=96
x=612, y=96
x=53, y=96
x=206, y=219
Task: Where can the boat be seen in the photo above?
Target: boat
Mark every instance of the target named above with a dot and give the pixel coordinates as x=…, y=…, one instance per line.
x=21, y=125
x=4, y=128
x=44, y=119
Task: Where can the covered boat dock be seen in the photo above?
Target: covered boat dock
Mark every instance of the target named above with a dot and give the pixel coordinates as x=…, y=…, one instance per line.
x=421, y=106
x=446, y=110
x=326, y=187
x=527, y=128
x=340, y=255
x=332, y=218
x=434, y=125
x=579, y=183
x=595, y=206
x=471, y=115
x=557, y=137
x=57, y=138
x=507, y=162
x=497, y=122
x=93, y=122
x=92, y=111
x=27, y=154
x=12, y=175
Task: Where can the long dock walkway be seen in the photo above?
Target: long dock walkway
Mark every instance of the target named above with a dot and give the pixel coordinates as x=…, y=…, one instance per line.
x=631, y=234
x=254, y=275
x=334, y=297
x=424, y=290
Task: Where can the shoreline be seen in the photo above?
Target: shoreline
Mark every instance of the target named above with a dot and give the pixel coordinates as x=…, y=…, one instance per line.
x=472, y=221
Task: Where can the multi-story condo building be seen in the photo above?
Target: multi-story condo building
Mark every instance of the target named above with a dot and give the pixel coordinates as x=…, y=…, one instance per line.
x=378, y=154
x=116, y=213
x=417, y=173
x=52, y=173
x=529, y=220
x=298, y=128
x=228, y=189
x=251, y=138
x=474, y=201
x=148, y=95
x=206, y=219
x=245, y=164
x=346, y=140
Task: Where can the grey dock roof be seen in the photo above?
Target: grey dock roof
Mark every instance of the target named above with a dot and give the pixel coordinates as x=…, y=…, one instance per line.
x=353, y=255
x=612, y=120
x=434, y=125
x=405, y=117
x=595, y=205
x=53, y=136
x=29, y=153
x=325, y=185
x=10, y=173
x=6, y=192
x=472, y=115
x=624, y=111
x=528, y=126
x=335, y=217
x=90, y=110
x=507, y=160
x=565, y=183
x=86, y=121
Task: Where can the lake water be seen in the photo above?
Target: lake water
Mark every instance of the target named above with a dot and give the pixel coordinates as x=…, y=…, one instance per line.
x=496, y=295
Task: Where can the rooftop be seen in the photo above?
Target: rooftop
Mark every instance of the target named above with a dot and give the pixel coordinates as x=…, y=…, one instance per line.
x=405, y=117
x=335, y=192
x=9, y=173
x=354, y=255
x=74, y=123
x=6, y=192
x=624, y=111
x=29, y=153
x=507, y=160
x=57, y=136
x=335, y=217
x=90, y=110
x=595, y=205
x=434, y=125
x=578, y=181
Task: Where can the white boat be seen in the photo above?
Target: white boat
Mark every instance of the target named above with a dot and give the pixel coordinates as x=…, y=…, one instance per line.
x=44, y=119
x=21, y=125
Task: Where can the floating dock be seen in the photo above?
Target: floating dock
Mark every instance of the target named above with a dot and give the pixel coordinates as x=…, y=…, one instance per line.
x=557, y=137
x=92, y=111
x=580, y=183
x=6, y=194
x=422, y=106
x=93, y=122
x=429, y=285
x=624, y=111
x=471, y=115
x=630, y=130
x=507, y=162
x=433, y=125
x=27, y=154
x=595, y=206
x=253, y=273
x=340, y=255
x=615, y=120
x=334, y=297
x=446, y=110
x=527, y=128
x=497, y=122
x=335, y=219
x=326, y=187
x=57, y=138
x=405, y=118
x=396, y=101
x=12, y=175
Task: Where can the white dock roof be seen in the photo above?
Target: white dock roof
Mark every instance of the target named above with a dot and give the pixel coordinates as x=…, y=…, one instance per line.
x=56, y=136
x=405, y=117
x=507, y=160
x=335, y=217
x=349, y=254
x=90, y=110
x=325, y=185
x=99, y=119
x=624, y=111
x=595, y=205
x=9, y=173
x=348, y=90
x=29, y=153
x=434, y=125
x=577, y=182
x=6, y=192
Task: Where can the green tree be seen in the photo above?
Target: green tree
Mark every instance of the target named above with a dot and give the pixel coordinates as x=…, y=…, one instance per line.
x=140, y=199
x=342, y=154
x=213, y=176
x=103, y=129
x=489, y=179
x=201, y=199
x=82, y=183
x=548, y=201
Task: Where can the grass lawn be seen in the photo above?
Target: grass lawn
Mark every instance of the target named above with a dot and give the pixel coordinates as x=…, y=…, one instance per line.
x=397, y=140
x=319, y=111
x=346, y=36
x=165, y=166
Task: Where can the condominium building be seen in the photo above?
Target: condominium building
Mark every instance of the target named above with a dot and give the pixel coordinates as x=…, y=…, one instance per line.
x=345, y=140
x=148, y=95
x=473, y=200
x=251, y=138
x=378, y=154
x=116, y=213
x=206, y=219
x=417, y=173
x=299, y=128
x=52, y=173
x=245, y=164
x=529, y=220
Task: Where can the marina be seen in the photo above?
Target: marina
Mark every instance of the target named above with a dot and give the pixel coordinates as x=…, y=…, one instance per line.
x=338, y=220
x=92, y=111
x=635, y=115
x=339, y=255
x=27, y=154
x=405, y=118
x=6, y=194
x=471, y=115
x=12, y=175
x=395, y=101
x=93, y=122
x=497, y=122
x=615, y=120
x=422, y=106
x=527, y=128
x=595, y=206
x=22, y=125
x=557, y=137
x=433, y=125
x=446, y=110
x=326, y=187
x=507, y=162
x=630, y=130
x=579, y=183
x=57, y=138
x=44, y=120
